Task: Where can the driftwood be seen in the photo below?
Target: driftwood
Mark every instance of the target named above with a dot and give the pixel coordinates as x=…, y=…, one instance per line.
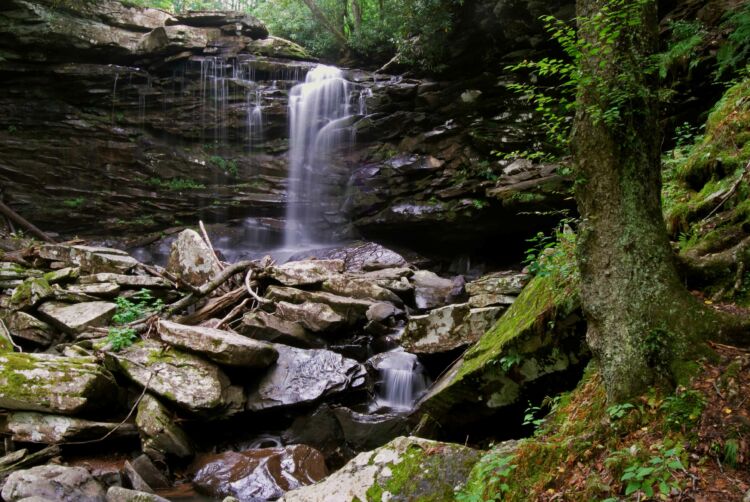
x=214, y=306
x=23, y=222
x=208, y=243
x=233, y=313
x=209, y=287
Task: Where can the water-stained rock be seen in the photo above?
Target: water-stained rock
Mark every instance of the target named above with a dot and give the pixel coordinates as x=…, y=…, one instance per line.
x=160, y=435
x=34, y=427
x=54, y=384
x=178, y=377
x=220, y=346
x=77, y=317
x=306, y=273
x=53, y=482
x=303, y=376
x=448, y=328
x=261, y=474
x=407, y=468
x=192, y=260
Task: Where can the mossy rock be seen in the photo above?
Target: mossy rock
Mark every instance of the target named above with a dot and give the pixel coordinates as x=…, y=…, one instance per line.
x=539, y=335
x=406, y=469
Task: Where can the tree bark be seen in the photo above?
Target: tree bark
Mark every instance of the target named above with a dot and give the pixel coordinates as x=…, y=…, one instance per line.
x=642, y=322
x=320, y=16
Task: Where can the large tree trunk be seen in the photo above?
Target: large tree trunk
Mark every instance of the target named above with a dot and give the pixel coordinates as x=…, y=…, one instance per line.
x=330, y=26
x=642, y=322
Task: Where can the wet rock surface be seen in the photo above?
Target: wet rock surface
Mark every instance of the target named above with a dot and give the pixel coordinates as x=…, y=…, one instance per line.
x=263, y=474
x=53, y=482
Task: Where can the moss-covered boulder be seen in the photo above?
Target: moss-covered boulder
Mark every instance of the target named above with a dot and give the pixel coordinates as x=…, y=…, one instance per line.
x=541, y=334
x=54, y=384
x=178, y=377
x=31, y=293
x=404, y=469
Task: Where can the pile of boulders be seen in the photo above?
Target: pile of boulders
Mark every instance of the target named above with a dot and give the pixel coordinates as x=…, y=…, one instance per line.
x=221, y=340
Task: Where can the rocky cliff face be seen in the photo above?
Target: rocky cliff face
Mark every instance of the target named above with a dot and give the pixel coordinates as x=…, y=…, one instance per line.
x=117, y=120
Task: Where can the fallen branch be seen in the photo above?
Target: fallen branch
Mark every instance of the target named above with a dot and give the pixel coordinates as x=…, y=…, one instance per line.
x=214, y=306
x=233, y=313
x=33, y=230
x=208, y=242
x=252, y=292
x=209, y=287
x=6, y=334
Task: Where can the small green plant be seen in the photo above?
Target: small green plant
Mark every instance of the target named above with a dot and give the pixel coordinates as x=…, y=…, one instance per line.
x=138, y=306
x=175, y=184
x=683, y=409
x=228, y=166
x=492, y=476
x=649, y=474
x=734, y=54
x=74, y=203
x=12, y=129
x=619, y=411
x=731, y=453
x=120, y=338
x=553, y=255
x=479, y=204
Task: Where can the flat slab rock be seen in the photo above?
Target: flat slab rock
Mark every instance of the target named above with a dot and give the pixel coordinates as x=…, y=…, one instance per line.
x=91, y=259
x=303, y=376
x=52, y=429
x=130, y=281
x=448, y=328
x=220, y=346
x=54, y=384
x=53, y=482
x=77, y=317
x=178, y=377
x=306, y=273
x=262, y=474
x=407, y=468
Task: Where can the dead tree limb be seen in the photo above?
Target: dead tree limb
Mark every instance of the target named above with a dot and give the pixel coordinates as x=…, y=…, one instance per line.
x=209, y=287
x=23, y=222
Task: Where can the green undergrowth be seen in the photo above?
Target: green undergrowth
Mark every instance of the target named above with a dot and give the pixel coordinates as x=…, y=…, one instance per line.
x=706, y=191
x=655, y=447
x=138, y=306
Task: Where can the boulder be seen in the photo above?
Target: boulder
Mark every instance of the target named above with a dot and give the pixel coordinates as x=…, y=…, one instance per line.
x=52, y=429
x=180, y=378
x=382, y=312
x=262, y=474
x=220, y=346
x=500, y=288
x=248, y=25
x=431, y=290
x=317, y=317
x=166, y=40
x=365, y=431
x=65, y=274
x=77, y=317
x=351, y=310
x=362, y=256
x=276, y=47
x=192, y=260
x=160, y=435
x=448, y=328
x=148, y=476
x=306, y=273
x=304, y=376
x=31, y=293
x=540, y=335
x=264, y=326
x=92, y=260
x=120, y=494
x=404, y=469
x=29, y=328
x=54, y=384
x=10, y=271
x=53, y=482
x=321, y=430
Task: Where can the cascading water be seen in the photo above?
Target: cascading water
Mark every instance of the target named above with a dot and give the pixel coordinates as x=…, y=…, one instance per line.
x=317, y=112
x=402, y=381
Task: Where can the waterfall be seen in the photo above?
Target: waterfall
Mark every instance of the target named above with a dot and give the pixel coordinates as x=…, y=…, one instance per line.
x=402, y=381
x=317, y=112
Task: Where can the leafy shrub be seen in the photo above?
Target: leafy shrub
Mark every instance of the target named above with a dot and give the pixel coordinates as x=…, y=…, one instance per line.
x=120, y=338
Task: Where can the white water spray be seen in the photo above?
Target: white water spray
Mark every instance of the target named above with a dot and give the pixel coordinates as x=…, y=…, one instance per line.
x=317, y=109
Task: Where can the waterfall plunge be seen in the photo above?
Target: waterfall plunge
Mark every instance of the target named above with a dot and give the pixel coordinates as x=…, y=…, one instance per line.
x=403, y=381
x=318, y=109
